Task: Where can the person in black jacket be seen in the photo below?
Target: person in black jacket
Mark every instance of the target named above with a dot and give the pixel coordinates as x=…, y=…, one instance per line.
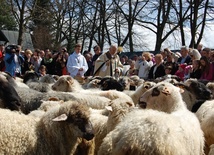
x=196, y=70
x=98, y=52
x=158, y=69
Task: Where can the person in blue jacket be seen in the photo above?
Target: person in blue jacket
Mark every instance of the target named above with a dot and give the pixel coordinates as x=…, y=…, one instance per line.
x=12, y=54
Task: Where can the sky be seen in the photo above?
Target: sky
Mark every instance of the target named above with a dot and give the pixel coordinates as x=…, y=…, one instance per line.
x=173, y=41
x=146, y=39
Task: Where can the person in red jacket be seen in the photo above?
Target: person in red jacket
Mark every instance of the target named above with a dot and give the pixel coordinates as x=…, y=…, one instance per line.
x=2, y=64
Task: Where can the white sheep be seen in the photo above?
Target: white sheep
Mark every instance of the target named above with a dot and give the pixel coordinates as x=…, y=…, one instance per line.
x=118, y=109
x=68, y=84
x=205, y=115
x=168, y=129
x=99, y=119
x=135, y=95
x=39, y=86
x=104, y=120
x=92, y=100
x=136, y=81
x=48, y=78
x=210, y=85
x=92, y=84
x=44, y=107
x=55, y=133
x=194, y=91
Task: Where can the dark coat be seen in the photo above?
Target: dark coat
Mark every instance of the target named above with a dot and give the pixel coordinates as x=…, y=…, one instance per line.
x=160, y=71
x=196, y=74
x=187, y=60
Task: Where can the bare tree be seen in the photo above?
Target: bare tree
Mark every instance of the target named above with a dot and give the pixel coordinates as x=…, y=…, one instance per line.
x=182, y=14
x=159, y=19
x=128, y=13
x=198, y=18
x=42, y=24
x=21, y=12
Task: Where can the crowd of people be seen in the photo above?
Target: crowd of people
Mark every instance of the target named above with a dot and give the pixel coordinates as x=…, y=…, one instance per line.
x=17, y=62
x=187, y=63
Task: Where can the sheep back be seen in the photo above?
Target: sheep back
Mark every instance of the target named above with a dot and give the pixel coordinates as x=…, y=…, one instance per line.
x=149, y=133
x=58, y=130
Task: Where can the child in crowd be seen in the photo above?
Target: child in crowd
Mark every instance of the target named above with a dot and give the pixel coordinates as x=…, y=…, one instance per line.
x=132, y=70
x=181, y=70
x=168, y=70
x=42, y=70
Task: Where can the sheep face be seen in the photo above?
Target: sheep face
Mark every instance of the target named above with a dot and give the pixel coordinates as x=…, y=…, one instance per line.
x=125, y=81
x=109, y=83
x=119, y=105
x=48, y=79
x=76, y=116
x=31, y=76
x=200, y=90
x=63, y=83
x=145, y=86
x=93, y=83
x=9, y=95
x=163, y=97
x=118, y=108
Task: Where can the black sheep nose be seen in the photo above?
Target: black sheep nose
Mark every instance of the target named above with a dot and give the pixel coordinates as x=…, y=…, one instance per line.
x=88, y=136
x=142, y=104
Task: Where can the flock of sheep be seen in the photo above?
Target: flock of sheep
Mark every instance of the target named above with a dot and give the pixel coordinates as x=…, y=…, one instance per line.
x=53, y=115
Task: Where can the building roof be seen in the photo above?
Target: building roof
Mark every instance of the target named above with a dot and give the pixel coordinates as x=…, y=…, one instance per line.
x=3, y=38
x=12, y=37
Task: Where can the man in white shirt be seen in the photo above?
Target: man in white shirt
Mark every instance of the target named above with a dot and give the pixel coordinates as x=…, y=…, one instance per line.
x=76, y=64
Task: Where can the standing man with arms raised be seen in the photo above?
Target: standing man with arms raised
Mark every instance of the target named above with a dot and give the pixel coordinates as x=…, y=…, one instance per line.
x=76, y=64
x=108, y=64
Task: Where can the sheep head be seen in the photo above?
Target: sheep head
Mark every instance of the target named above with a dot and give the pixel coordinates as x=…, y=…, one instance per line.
x=199, y=89
x=76, y=118
x=145, y=86
x=163, y=97
x=63, y=83
x=9, y=95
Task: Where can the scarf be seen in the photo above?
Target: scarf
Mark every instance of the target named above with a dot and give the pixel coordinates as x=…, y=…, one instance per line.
x=47, y=61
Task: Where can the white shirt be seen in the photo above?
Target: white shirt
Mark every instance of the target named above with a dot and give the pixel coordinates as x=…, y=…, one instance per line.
x=18, y=67
x=143, y=67
x=75, y=62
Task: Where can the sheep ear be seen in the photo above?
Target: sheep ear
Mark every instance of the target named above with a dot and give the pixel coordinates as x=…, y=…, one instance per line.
x=181, y=90
x=109, y=108
x=129, y=104
x=70, y=80
x=53, y=99
x=62, y=117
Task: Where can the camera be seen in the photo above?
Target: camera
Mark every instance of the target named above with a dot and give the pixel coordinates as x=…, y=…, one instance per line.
x=11, y=48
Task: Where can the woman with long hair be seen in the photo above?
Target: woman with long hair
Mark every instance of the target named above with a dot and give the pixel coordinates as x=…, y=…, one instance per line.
x=207, y=69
